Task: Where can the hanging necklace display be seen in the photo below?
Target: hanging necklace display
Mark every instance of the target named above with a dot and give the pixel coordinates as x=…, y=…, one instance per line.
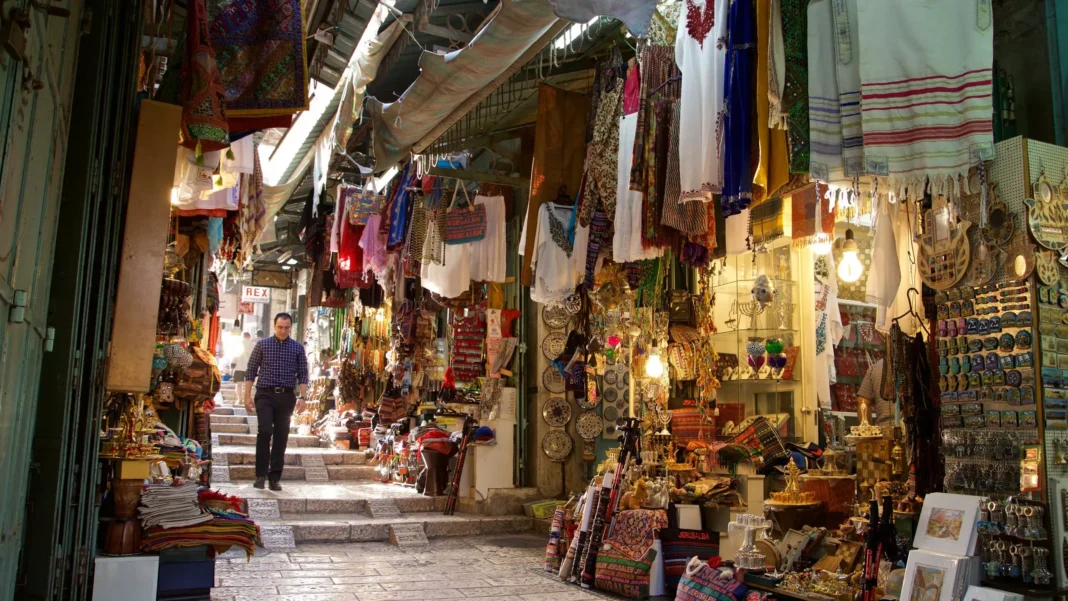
x=555, y=316
x=557, y=412
x=1047, y=267
x=557, y=445
x=944, y=250
x=553, y=344
x=1046, y=215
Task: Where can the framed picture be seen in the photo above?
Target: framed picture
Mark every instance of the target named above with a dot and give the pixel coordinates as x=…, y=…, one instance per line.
x=930, y=576
x=947, y=524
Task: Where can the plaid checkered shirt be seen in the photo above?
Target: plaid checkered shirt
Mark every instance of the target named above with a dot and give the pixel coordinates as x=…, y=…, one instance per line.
x=278, y=363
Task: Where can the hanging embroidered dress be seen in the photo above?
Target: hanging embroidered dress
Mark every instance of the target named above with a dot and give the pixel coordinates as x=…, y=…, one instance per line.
x=701, y=57
x=739, y=89
x=559, y=261
x=925, y=71
x=829, y=328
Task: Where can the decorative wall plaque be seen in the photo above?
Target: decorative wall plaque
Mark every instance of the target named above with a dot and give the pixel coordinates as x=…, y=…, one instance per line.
x=944, y=249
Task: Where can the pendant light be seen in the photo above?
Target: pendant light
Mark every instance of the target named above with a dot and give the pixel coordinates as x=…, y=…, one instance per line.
x=654, y=366
x=850, y=268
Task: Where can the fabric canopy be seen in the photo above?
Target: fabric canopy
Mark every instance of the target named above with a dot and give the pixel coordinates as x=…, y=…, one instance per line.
x=447, y=80
x=635, y=14
x=362, y=69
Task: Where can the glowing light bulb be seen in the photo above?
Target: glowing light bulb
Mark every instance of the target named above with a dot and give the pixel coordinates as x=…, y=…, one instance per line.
x=380, y=315
x=174, y=195
x=654, y=367
x=850, y=268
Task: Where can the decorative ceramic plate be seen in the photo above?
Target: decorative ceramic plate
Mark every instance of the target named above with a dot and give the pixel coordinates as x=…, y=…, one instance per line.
x=553, y=344
x=610, y=377
x=588, y=425
x=552, y=380
x=557, y=445
x=557, y=412
x=609, y=413
x=555, y=317
x=610, y=394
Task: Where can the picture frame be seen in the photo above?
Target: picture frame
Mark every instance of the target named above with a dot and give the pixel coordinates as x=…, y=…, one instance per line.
x=931, y=576
x=982, y=593
x=947, y=524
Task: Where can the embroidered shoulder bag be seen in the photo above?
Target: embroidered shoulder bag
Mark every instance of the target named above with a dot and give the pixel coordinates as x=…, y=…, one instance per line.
x=464, y=225
x=366, y=203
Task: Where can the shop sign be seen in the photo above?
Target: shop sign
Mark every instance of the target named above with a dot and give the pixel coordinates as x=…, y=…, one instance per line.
x=255, y=294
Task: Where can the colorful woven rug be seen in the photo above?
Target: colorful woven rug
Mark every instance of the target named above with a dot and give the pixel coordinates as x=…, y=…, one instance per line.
x=259, y=48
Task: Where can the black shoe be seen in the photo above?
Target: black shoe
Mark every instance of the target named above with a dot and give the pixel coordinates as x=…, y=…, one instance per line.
x=259, y=483
x=275, y=486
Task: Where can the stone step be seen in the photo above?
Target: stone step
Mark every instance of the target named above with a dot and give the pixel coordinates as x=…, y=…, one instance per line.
x=241, y=428
x=295, y=440
x=217, y=419
x=286, y=506
x=310, y=457
x=311, y=528
x=222, y=411
x=330, y=473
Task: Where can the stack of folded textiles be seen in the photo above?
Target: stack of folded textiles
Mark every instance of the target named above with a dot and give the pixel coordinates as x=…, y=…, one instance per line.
x=225, y=524
x=171, y=506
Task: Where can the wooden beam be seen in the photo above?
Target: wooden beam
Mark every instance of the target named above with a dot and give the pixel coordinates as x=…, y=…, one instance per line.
x=481, y=176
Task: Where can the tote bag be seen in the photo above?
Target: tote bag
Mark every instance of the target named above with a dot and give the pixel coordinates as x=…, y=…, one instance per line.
x=464, y=225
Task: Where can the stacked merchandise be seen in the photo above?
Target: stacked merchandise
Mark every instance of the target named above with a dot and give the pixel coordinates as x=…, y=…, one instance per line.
x=182, y=516
x=469, y=333
x=944, y=560
x=171, y=506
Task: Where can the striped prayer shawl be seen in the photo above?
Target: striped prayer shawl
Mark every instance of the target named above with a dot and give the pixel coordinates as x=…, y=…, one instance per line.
x=926, y=89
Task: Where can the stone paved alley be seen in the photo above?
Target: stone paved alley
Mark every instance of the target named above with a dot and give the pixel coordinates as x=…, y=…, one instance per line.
x=501, y=568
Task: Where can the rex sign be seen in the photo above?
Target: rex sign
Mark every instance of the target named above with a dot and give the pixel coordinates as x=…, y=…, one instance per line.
x=255, y=294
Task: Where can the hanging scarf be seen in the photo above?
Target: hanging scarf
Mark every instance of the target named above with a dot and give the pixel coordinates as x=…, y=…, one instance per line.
x=804, y=206
x=795, y=89
x=204, y=124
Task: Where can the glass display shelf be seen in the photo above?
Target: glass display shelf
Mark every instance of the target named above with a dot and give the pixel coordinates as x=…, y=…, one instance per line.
x=747, y=284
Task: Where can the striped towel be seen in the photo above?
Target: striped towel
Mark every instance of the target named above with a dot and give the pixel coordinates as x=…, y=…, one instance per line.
x=824, y=114
x=926, y=89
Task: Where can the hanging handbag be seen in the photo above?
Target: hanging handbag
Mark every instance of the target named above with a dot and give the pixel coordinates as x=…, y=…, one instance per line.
x=368, y=202
x=464, y=225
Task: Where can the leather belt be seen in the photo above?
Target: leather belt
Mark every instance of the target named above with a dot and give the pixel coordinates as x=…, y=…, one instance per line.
x=278, y=389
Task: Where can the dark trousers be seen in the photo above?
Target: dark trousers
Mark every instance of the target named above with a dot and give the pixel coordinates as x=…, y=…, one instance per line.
x=436, y=468
x=274, y=411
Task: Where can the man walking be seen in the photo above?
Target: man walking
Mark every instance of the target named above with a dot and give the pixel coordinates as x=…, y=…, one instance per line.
x=241, y=363
x=276, y=365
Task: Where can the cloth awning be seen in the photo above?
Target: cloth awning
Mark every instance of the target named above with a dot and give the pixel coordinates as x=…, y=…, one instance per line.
x=448, y=80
